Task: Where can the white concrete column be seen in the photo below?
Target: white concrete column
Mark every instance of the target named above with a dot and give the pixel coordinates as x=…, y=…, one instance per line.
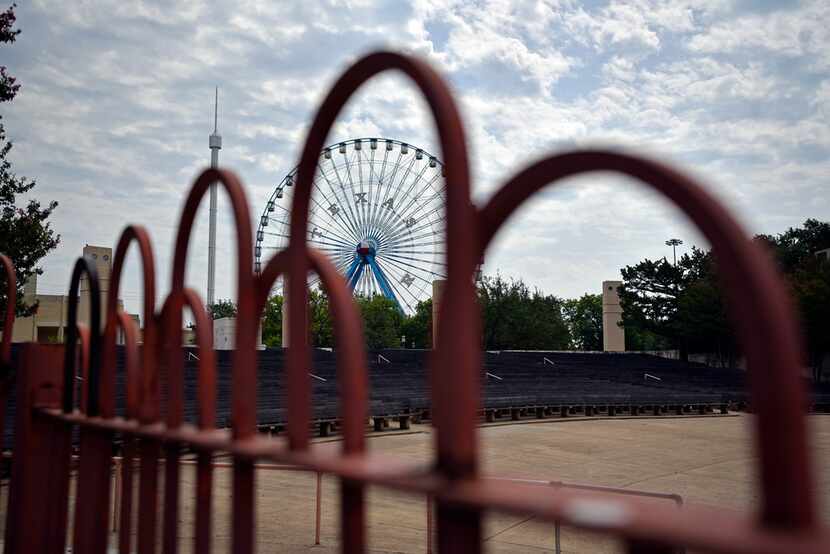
x=613, y=336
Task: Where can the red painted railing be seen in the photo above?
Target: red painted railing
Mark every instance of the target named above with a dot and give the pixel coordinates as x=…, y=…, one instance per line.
x=48, y=411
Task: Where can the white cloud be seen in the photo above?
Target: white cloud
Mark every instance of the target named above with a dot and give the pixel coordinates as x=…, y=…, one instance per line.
x=801, y=32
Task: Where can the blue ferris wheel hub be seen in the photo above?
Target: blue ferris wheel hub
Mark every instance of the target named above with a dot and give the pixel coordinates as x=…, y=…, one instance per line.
x=365, y=260
x=366, y=248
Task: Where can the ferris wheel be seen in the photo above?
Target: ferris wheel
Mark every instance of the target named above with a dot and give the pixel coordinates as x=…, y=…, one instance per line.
x=377, y=211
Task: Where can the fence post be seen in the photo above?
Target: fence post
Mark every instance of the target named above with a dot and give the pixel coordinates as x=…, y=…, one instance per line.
x=116, y=493
x=556, y=532
x=429, y=524
x=39, y=485
x=317, y=509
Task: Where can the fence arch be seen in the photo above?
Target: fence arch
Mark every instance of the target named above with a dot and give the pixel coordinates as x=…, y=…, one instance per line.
x=771, y=338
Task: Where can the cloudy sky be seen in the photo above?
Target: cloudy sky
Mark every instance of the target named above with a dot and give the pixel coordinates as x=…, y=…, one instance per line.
x=117, y=97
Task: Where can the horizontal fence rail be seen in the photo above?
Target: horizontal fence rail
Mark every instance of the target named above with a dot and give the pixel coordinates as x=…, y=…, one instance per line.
x=50, y=411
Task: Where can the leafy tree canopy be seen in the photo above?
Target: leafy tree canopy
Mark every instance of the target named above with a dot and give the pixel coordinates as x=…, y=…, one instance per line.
x=272, y=322
x=417, y=329
x=583, y=317
x=382, y=321
x=514, y=317
x=809, y=279
x=25, y=234
x=669, y=301
x=683, y=306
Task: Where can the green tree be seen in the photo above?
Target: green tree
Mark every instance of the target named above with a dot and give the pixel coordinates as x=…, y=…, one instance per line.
x=651, y=298
x=583, y=317
x=272, y=322
x=703, y=320
x=382, y=321
x=25, y=234
x=222, y=308
x=417, y=328
x=796, y=247
x=516, y=318
x=319, y=320
x=684, y=307
x=321, y=334
x=811, y=288
x=809, y=279
x=637, y=340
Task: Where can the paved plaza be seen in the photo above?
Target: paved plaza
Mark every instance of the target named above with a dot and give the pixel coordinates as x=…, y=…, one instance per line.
x=704, y=459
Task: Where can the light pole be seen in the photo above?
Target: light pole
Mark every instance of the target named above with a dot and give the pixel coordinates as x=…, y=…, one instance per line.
x=674, y=243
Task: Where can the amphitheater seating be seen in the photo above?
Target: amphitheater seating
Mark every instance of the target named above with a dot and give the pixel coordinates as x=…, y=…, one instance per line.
x=514, y=383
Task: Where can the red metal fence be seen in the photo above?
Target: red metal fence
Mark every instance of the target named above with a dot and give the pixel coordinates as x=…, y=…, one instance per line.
x=48, y=411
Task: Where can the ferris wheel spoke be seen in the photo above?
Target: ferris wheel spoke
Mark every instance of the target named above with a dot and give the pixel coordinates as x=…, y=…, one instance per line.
x=374, y=178
x=313, y=238
x=417, y=201
x=413, y=211
x=398, y=290
x=404, y=258
x=411, y=245
x=321, y=245
x=342, y=264
x=359, y=167
x=405, y=238
x=335, y=212
x=427, y=251
x=341, y=223
x=388, y=196
x=391, y=207
x=371, y=180
x=346, y=200
x=336, y=238
x=411, y=248
x=363, y=193
x=379, y=189
x=409, y=268
x=424, y=252
x=424, y=218
x=425, y=239
x=415, y=228
x=388, y=221
x=387, y=186
x=331, y=231
x=388, y=203
x=409, y=218
x=397, y=296
x=347, y=165
x=335, y=199
x=428, y=185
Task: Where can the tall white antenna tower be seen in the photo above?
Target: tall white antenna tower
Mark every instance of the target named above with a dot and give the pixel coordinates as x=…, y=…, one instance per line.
x=215, y=142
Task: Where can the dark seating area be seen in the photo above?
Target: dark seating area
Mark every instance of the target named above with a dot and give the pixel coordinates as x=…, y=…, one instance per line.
x=515, y=385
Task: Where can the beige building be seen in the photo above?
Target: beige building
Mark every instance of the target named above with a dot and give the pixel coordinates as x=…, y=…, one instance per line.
x=49, y=322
